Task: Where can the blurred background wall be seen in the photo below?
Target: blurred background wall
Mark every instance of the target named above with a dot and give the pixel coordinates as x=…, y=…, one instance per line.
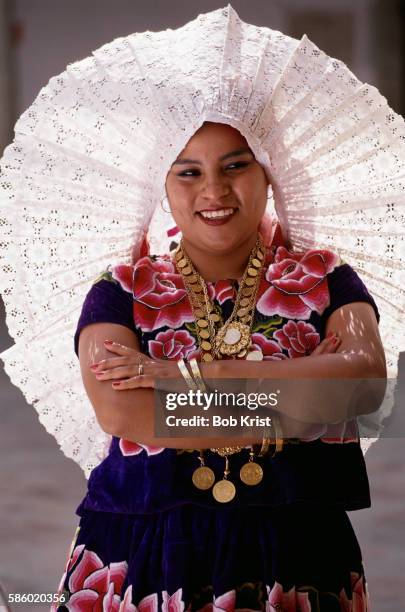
x=40, y=488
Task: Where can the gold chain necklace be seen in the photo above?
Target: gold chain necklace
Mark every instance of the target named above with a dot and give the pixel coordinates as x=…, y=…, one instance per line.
x=231, y=338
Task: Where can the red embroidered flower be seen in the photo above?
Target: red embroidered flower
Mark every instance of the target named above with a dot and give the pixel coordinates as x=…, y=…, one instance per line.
x=171, y=344
x=298, y=338
x=223, y=289
x=280, y=600
x=123, y=273
x=129, y=448
x=173, y=603
x=270, y=349
x=360, y=601
x=160, y=298
x=147, y=604
x=95, y=586
x=298, y=283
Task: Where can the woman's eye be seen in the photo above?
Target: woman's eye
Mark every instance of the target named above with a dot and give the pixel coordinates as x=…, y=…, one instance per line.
x=237, y=165
x=189, y=173
x=195, y=172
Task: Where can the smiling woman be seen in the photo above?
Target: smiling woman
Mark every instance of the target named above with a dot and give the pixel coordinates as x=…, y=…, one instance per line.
x=218, y=194
x=243, y=306
x=238, y=290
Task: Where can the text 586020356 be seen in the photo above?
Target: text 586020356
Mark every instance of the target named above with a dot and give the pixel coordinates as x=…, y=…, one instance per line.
x=36, y=598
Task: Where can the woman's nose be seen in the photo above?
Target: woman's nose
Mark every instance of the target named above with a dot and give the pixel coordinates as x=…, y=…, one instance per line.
x=215, y=187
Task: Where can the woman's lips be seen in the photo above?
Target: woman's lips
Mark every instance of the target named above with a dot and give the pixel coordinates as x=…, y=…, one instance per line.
x=217, y=220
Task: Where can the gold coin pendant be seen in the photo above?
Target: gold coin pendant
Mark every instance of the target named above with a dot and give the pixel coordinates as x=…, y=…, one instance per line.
x=203, y=478
x=224, y=491
x=251, y=473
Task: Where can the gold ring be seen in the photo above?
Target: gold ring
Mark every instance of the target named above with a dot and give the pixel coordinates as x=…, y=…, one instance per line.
x=140, y=368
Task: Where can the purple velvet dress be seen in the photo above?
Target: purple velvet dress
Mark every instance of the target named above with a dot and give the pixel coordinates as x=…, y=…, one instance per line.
x=149, y=539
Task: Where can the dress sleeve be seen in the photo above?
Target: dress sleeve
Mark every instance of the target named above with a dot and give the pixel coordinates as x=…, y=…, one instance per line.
x=107, y=301
x=345, y=287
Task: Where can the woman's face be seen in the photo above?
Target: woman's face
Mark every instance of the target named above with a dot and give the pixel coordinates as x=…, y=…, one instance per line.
x=217, y=172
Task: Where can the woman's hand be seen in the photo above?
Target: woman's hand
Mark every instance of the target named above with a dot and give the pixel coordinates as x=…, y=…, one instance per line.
x=329, y=345
x=123, y=370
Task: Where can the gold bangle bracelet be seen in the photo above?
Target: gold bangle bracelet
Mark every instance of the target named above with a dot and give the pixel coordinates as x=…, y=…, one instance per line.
x=265, y=446
x=186, y=374
x=197, y=374
x=279, y=435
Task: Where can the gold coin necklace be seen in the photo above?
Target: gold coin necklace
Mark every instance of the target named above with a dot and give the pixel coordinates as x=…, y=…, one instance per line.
x=231, y=339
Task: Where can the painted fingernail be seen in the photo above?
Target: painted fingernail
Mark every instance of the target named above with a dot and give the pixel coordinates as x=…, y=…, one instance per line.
x=94, y=366
x=335, y=340
x=116, y=383
x=330, y=334
x=108, y=342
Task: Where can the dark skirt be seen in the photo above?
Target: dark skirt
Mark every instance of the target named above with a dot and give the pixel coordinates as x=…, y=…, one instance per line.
x=293, y=558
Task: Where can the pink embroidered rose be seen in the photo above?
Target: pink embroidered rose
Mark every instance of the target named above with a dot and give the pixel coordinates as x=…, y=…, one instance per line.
x=298, y=283
x=149, y=603
x=173, y=603
x=360, y=601
x=270, y=349
x=223, y=290
x=298, y=338
x=278, y=600
x=123, y=273
x=171, y=344
x=95, y=586
x=128, y=448
x=160, y=298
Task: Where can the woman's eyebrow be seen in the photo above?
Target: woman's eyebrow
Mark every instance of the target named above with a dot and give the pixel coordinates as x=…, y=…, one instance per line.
x=182, y=160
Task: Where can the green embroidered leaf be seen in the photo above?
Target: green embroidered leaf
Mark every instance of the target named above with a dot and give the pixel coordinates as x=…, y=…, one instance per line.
x=105, y=275
x=268, y=327
x=191, y=329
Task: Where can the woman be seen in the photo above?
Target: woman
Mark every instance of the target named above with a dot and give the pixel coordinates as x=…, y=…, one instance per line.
x=217, y=114
x=148, y=536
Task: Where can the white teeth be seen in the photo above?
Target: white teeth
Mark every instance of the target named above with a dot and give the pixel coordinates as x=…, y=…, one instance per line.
x=223, y=212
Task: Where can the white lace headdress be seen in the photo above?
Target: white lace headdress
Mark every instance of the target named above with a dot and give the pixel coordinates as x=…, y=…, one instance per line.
x=82, y=178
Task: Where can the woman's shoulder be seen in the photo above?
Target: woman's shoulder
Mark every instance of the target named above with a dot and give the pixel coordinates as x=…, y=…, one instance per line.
x=108, y=300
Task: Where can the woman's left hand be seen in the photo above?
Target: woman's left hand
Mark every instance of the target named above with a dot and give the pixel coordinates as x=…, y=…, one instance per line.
x=124, y=370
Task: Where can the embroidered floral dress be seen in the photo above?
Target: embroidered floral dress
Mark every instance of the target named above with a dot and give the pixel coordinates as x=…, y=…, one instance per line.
x=148, y=539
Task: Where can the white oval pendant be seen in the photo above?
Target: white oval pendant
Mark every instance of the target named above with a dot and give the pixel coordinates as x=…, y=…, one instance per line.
x=255, y=356
x=232, y=336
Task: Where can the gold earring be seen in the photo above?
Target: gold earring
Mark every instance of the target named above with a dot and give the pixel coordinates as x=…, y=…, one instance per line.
x=161, y=205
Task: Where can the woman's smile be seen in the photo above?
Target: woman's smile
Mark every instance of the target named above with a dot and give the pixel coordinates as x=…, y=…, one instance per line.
x=218, y=216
